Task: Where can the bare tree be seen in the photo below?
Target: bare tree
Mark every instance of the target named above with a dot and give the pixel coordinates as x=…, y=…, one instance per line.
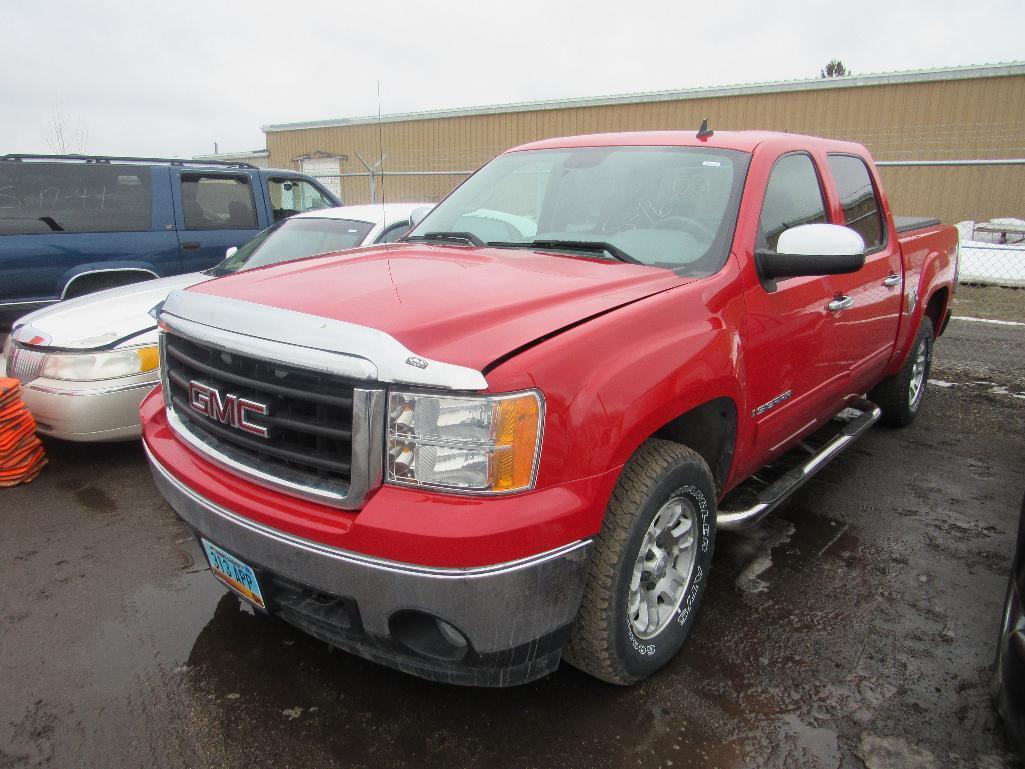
x=64, y=134
x=835, y=68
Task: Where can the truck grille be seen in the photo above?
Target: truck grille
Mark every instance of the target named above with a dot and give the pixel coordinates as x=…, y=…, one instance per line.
x=308, y=423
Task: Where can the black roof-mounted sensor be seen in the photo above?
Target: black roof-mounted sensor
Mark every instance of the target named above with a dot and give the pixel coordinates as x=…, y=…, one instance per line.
x=704, y=132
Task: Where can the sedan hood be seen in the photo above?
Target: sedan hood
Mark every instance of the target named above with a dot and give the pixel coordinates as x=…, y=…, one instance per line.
x=465, y=306
x=104, y=319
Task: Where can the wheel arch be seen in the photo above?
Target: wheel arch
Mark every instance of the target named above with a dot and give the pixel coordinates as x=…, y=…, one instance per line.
x=105, y=274
x=710, y=429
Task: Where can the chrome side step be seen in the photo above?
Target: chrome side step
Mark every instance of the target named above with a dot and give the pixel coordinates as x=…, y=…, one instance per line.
x=772, y=495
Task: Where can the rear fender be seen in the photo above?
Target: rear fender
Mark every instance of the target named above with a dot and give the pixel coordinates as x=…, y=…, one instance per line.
x=929, y=261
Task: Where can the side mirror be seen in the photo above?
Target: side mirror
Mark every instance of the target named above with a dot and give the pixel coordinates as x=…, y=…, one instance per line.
x=813, y=249
x=417, y=215
x=230, y=252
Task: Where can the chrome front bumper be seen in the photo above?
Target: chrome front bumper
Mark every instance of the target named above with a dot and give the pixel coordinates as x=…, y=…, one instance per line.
x=502, y=610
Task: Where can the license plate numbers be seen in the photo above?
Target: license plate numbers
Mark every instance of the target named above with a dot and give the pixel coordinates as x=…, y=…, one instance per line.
x=235, y=574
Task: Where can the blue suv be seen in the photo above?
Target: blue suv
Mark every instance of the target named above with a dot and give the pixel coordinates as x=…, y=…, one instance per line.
x=74, y=224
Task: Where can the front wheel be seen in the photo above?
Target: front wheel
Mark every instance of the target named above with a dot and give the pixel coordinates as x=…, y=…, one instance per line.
x=649, y=568
x=900, y=396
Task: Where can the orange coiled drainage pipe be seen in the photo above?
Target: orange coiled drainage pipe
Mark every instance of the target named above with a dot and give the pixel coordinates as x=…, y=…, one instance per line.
x=21, y=454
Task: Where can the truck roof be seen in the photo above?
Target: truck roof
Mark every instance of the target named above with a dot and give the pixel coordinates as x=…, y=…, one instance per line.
x=743, y=141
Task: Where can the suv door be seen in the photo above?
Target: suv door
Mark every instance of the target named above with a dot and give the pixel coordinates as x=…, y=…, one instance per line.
x=866, y=331
x=214, y=211
x=795, y=376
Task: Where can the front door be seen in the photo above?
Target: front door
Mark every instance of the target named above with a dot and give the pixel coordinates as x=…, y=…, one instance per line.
x=215, y=210
x=795, y=374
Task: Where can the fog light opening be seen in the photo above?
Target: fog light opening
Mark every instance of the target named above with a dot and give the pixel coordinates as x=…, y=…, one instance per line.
x=428, y=636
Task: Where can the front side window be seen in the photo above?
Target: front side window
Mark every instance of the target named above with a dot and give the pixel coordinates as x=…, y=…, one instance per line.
x=289, y=196
x=40, y=198
x=793, y=196
x=295, y=239
x=861, y=209
x=672, y=207
x=217, y=202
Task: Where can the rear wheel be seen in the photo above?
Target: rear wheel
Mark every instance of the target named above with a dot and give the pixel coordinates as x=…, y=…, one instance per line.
x=900, y=396
x=649, y=568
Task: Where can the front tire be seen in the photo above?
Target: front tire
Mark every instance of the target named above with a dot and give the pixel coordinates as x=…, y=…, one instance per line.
x=649, y=568
x=900, y=396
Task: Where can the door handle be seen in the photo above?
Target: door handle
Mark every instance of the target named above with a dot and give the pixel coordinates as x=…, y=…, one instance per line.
x=190, y=245
x=840, y=303
x=893, y=279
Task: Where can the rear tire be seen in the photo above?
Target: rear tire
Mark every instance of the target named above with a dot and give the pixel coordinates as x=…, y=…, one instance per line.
x=649, y=568
x=900, y=396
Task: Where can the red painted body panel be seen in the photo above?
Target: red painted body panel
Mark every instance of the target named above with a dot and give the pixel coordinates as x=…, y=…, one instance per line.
x=655, y=346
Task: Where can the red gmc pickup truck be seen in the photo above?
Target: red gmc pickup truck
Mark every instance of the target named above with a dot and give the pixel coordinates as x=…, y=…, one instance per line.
x=512, y=436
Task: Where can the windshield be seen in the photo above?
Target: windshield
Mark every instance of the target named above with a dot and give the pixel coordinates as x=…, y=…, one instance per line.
x=672, y=207
x=294, y=239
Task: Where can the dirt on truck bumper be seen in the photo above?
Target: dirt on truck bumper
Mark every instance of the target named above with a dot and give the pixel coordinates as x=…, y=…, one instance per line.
x=497, y=625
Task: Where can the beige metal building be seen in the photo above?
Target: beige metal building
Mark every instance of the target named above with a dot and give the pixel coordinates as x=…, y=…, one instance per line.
x=932, y=125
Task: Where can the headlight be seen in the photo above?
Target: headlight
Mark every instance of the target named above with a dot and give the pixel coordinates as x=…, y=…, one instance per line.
x=93, y=366
x=478, y=444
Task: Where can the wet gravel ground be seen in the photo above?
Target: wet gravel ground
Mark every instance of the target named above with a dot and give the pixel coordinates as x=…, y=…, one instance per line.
x=854, y=629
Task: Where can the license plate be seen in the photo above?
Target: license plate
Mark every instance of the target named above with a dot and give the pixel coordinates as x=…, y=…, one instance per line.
x=235, y=574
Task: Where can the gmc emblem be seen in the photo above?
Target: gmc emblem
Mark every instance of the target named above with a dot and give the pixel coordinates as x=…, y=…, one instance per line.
x=227, y=409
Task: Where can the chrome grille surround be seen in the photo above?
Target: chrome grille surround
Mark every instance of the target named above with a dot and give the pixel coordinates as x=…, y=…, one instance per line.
x=365, y=454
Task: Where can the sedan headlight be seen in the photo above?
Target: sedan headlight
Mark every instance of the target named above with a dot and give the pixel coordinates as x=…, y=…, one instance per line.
x=487, y=444
x=94, y=366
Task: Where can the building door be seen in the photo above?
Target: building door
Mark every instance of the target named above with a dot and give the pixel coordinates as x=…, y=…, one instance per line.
x=326, y=171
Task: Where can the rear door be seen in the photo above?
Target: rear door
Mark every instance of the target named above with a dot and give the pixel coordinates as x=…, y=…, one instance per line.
x=795, y=375
x=215, y=210
x=866, y=332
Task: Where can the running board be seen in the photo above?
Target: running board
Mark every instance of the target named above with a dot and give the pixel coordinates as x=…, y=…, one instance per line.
x=772, y=495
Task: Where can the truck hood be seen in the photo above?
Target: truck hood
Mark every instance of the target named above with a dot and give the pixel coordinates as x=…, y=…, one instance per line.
x=465, y=306
x=102, y=319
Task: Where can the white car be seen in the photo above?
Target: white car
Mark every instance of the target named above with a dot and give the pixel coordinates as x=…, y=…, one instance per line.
x=86, y=364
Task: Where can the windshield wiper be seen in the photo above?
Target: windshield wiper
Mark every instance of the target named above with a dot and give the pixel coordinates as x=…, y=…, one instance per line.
x=573, y=245
x=466, y=237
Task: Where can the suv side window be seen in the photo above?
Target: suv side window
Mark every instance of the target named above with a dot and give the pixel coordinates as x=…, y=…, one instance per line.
x=218, y=202
x=394, y=232
x=861, y=209
x=793, y=196
x=290, y=196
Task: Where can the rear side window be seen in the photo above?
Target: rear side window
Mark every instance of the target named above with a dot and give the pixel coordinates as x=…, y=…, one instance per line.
x=218, y=202
x=394, y=232
x=793, y=196
x=861, y=209
x=74, y=197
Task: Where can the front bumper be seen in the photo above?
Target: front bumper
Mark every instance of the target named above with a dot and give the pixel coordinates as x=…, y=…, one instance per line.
x=88, y=411
x=514, y=617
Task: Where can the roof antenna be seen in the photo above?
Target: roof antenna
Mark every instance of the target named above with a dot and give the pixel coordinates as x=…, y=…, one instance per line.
x=380, y=148
x=704, y=132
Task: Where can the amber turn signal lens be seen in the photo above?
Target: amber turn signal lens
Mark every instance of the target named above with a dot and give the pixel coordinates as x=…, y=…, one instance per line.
x=516, y=423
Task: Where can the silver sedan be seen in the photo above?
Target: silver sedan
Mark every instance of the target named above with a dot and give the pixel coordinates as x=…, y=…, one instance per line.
x=87, y=363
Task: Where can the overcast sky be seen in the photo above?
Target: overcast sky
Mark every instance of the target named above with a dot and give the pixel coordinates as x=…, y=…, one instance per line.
x=171, y=78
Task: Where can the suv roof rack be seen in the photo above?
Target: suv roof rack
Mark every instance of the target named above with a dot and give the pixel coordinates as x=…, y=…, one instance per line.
x=106, y=159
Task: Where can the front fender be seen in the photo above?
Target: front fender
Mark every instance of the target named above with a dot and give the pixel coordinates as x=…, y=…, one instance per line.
x=614, y=381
